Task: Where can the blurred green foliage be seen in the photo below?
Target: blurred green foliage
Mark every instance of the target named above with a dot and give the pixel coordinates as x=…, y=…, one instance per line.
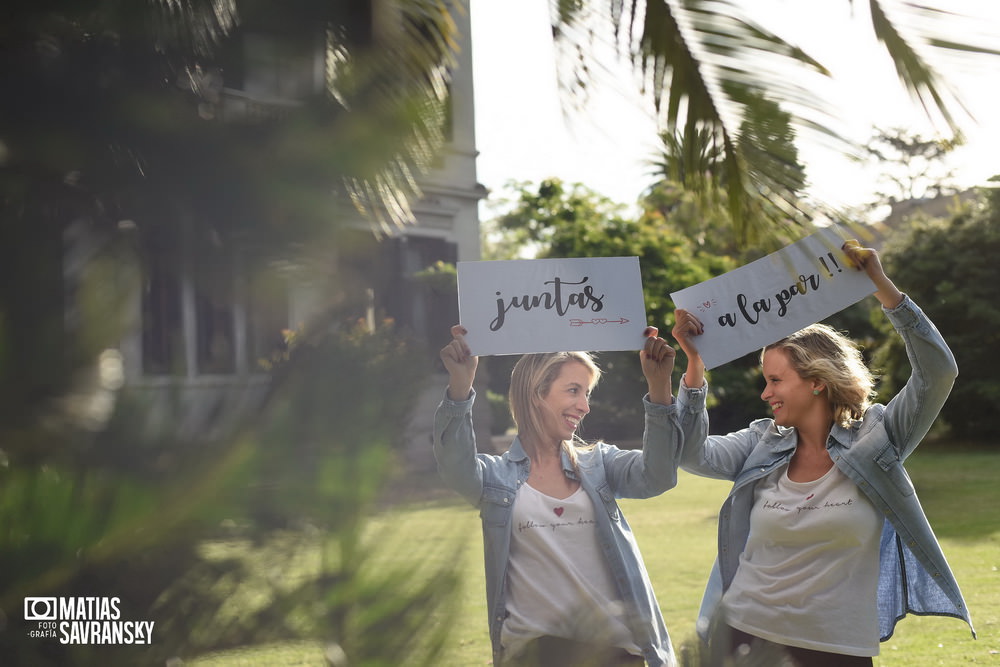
x=948, y=267
x=116, y=152
x=300, y=480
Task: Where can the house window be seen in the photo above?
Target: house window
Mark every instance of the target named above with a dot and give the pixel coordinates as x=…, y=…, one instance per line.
x=276, y=68
x=268, y=308
x=162, y=321
x=420, y=310
x=215, y=313
x=202, y=311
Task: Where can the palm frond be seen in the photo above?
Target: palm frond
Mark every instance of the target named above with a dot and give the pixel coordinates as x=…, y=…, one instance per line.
x=915, y=31
x=725, y=73
x=405, y=82
x=707, y=64
x=922, y=82
x=708, y=68
x=196, y=27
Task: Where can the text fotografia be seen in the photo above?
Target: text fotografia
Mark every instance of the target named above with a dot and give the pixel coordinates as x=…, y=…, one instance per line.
x=551, y=298
x=84, y=621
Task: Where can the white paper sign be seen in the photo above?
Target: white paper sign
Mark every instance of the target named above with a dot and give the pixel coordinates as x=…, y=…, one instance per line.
x=551, y=305
x=766, y=300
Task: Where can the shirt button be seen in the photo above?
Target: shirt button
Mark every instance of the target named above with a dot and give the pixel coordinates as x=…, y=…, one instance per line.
x=506, y=501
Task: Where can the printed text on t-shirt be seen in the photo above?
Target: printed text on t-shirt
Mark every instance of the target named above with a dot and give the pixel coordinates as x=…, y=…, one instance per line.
x=529, y=524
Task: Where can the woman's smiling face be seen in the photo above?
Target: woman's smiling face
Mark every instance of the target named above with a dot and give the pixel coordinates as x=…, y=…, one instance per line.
x=567, y=401
x=789, y=395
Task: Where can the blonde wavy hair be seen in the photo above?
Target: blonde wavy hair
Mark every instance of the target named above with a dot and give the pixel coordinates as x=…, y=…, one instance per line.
x=822, y=353
x=530, y=382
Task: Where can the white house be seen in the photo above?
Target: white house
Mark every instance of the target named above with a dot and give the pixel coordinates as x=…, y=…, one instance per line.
x=194, y=359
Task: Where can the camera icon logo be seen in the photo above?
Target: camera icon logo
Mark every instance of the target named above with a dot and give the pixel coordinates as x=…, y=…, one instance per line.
x=41, y=609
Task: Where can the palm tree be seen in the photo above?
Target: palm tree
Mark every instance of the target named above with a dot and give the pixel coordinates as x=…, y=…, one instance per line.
x=710, y=66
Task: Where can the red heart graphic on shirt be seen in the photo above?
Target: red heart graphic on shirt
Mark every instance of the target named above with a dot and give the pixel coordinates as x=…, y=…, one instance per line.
x=558, y=511
x=810, y=496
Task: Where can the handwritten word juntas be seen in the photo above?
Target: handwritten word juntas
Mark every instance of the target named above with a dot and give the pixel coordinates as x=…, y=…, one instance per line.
x=751, y=311
x=553, y=298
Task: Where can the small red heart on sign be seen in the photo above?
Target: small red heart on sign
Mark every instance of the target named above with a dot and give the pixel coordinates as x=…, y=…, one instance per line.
x=558, y=511
x=707, y=304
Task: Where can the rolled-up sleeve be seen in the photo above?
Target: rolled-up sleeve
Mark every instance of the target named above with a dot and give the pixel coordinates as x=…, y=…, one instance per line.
x=715, y=456
x=911, y=413
x=691, y=411
x=455, y=448
x=667, y=430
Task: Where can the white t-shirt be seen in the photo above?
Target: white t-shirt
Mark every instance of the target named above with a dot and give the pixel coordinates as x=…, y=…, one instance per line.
x=809, y=574
x=557, y=581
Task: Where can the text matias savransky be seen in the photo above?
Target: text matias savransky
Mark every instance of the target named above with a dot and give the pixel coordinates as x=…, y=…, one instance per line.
x=84, y=620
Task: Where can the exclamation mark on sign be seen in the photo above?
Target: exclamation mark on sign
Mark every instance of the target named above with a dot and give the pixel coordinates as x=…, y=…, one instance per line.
x=835, y=265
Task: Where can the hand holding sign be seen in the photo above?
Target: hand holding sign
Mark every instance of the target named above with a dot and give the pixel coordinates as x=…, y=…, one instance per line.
x=867, y=260
x=657, y=360
x=460, y=364
x=686, y=329
x=772, y=297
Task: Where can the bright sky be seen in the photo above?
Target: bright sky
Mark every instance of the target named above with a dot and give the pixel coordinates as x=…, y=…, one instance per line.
x=524, y=132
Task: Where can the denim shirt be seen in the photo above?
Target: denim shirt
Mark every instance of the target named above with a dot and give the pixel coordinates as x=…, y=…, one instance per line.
x=605, y=473
x=914, y=576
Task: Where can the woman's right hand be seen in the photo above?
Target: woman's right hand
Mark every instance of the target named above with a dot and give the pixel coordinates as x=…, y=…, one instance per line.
x=686, y=327
x=460, y=364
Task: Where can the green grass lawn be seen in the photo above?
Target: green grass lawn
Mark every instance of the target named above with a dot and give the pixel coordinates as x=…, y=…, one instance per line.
x=676, y=533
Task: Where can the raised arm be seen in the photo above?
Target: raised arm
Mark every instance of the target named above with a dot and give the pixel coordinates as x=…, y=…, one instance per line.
x=719, y=457
x=911, y=412
x=454, y=436
x=686, y=327
x=669, y=424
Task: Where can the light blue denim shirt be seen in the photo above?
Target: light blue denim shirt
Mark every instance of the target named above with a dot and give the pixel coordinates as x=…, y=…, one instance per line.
x=605, y=472
x=914, y=576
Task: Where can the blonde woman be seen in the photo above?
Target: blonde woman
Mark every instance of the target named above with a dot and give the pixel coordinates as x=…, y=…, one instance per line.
x=566, y=584
x=823, y=545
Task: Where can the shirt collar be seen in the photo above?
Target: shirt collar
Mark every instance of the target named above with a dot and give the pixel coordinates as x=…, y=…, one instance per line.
x=784, y=437
x=516, y=453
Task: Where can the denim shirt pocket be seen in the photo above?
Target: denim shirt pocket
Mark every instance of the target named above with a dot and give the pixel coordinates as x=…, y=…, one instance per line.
x=887, y=459
x=610, y=504
x=495, y=505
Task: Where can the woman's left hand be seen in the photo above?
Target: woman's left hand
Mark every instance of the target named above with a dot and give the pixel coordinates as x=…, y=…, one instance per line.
x=867, y=260
x=657, y=359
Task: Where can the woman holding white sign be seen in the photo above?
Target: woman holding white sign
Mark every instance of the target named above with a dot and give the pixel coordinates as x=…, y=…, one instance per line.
x=823, y=545
x=566, y=584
